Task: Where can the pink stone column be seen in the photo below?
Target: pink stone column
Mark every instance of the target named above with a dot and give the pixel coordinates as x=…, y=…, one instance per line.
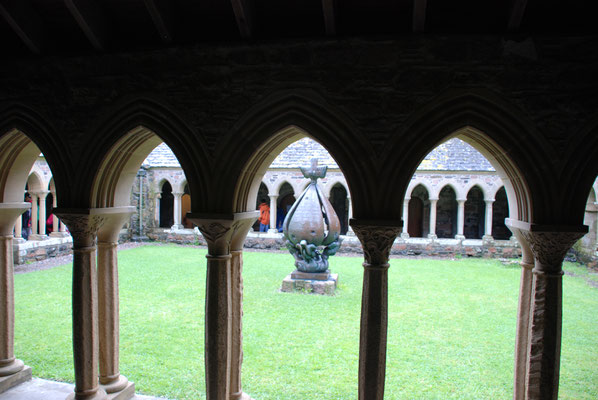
x=237, y=241
x=405, y=233
x=223, y=354
x=376, y=238
x=273, y=212
x=42, y=213
x=523, y=310
x=34, y=218
x=9, y=364
x=488, y=224
x=549, y=244
x=55, y=220
x=83, y=226
x=460, y=219
x=108, y=302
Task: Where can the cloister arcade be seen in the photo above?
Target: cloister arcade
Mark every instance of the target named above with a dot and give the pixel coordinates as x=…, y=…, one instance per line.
x=377, y=104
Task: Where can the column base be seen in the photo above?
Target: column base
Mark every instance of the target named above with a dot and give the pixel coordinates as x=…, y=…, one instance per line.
x=11, y=368
x=176, y=227
x=99, y=395
x=37, y=237
x=404, y=235
x=116, y=385
x=128, y=392
x=59, y=234
x=272, y=230
x=460, y=237
x=18, y=240
x=9, y=381
x=432, y=236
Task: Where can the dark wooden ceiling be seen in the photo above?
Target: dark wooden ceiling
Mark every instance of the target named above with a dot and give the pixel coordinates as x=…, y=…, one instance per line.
x=55, y=27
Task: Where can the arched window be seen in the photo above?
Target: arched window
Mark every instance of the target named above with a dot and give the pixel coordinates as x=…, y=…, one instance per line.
x=500, y=211
x=338, y=199
x=286, y=198
x=166, y=206
x=419, y=212
x=262, y=195
x=475, y=210
x=446, y=213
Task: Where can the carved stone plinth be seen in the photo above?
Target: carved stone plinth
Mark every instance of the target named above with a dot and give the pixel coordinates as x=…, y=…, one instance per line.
x=7, y=382
x=315, y=286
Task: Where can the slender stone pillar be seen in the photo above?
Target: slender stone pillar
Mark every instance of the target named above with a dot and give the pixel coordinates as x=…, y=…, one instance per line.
x=12, y=370
x=83, y=225
x=405, y=233
x=432, y=234
x=460, y=219
x=157, y=209
x=376, y=238
x=18, y=230
x=349, y=215
x=549, y=244
x=34, y=218
x=273, y=212
x=55, y=221
x=488, y=224
x=177, y=210
x=219, y=231
x=523, y=312
x=42, y=213
x=108, y=304
x=238, y=239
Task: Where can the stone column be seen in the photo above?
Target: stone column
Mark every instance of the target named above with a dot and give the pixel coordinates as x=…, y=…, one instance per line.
x=220, y=231
x=376, y=238
x=349, y=215
x=12, y=370
x=83, y=225
x=108, y=304
x=549, y=245
x=432, y=234
x=405, y=233
x=237, y=241
x=523, y=310
x=488, y=224
x=177, y=210
x=460, y=219
x=157, y=209
x=34, y=230
x=18, y=230
x=42, y=214
x=55, y=221
x=273, y=212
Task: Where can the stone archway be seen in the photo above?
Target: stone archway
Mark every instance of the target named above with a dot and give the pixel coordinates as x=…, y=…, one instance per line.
x=446, y=213
x=474, y=214
x=338, y=198
x=419, y=212
x=166, y=206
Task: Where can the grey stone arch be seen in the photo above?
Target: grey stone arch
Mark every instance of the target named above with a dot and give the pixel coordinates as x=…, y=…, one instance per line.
x=24, y=134
x=588, y=242
x=500, y=211
x=474, y=213
x=418, y=224
x=279, y=120
x=166, y=204
x=446, y=212
x=124, y=136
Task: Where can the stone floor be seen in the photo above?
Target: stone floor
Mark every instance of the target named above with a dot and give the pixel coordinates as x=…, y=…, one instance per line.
x=40, y=389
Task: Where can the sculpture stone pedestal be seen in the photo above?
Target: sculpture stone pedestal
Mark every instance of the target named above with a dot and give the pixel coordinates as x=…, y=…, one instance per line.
x=316, y=283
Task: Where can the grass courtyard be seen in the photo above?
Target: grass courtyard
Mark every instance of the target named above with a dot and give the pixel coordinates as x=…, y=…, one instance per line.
x=451, y=328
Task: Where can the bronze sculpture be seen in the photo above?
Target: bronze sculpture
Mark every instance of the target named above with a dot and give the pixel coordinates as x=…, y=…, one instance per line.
x=311, y=224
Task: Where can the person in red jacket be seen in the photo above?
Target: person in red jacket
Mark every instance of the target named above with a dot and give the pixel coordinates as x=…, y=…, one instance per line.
x=264, y=216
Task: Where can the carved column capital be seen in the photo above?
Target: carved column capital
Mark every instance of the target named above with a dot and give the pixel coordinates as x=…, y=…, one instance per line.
x=224, y=232
x=548, y=243
x=8, y=215
x=82, y=224
x=377, y=238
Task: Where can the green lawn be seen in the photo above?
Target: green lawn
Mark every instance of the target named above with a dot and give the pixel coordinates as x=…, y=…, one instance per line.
x=450, y=335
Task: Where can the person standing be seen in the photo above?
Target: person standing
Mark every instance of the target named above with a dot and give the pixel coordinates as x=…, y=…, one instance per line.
x=264, y=216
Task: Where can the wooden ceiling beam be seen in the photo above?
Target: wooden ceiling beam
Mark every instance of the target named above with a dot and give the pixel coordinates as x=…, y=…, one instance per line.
x=91, y=20
x=25, y=21
x=161, y=13
x=516, y=15
x=244, y=12
x=419, y=15
x=328, y=6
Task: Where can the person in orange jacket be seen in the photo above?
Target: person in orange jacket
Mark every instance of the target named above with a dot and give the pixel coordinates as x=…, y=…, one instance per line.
x=264, y=216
